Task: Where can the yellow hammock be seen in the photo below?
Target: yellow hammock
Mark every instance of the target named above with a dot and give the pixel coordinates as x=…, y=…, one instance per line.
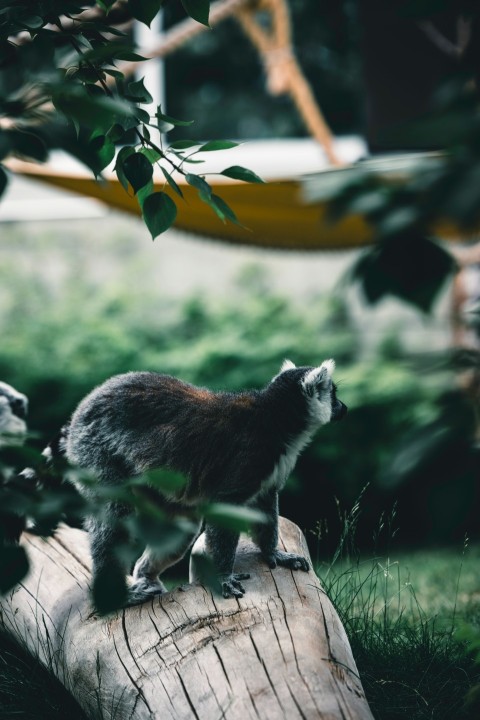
x=272, y=215
x=287, y=214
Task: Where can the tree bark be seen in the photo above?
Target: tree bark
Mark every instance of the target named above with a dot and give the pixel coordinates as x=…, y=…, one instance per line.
x=279, y=652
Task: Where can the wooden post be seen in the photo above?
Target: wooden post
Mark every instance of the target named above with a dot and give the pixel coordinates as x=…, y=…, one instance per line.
x=279, y=652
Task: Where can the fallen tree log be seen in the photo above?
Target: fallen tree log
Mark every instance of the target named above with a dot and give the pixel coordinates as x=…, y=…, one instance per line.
x=279, y=652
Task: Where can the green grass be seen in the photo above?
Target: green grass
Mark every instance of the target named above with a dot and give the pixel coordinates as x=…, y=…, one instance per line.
x=402, y=614
x=28, y=691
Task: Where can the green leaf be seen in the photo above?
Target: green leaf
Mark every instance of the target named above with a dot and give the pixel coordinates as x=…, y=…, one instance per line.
x=166, y=535
x=151, y=154
x=190, y=160
x=233, y=517
x=145, y=10
x=218, y=145
x=97, y=112
x=106, y=4
x=199, y=10
x=28, y=145
x=123, y=154
x=240, y=173
x=142, y=115
x=166, y=480
x=34, y=22
x=144, y=192
x=183, y=144
x=13, y=566
x=159, y=213
x=138, y=92
x=109, y=589
x=410, y=266
x=171, y=182
x=198, y=182
x=104, y=152
x=223, y=210
x=138, y=170
x=171, y=120
x=3, y=180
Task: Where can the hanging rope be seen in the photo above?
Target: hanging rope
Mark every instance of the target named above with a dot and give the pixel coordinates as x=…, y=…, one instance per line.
x=284, y=75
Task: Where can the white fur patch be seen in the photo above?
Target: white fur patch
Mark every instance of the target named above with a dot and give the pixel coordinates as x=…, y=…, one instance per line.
x=329, y=365
x=287, y=365
x=314, y=376
x=319, y=374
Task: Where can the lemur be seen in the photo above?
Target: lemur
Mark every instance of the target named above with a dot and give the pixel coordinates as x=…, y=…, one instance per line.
x=13, y=411
x=231, y=447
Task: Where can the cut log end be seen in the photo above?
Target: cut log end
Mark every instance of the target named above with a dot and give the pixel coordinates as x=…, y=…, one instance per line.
x=278, y=652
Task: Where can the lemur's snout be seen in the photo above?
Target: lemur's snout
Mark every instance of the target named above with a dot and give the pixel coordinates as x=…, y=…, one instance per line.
x=339, y=411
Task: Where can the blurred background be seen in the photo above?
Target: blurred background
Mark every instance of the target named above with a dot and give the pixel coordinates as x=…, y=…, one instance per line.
x=84, y=293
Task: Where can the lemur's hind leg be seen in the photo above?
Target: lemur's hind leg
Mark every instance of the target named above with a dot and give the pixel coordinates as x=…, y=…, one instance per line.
x=265, y=536
x=149, y=566
x=109, y=570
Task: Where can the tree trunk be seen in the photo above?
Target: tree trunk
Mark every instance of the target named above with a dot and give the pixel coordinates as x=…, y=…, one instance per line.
x=279, y=652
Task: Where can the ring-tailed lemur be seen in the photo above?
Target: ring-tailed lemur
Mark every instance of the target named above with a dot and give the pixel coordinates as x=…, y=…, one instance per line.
x=13, y=411
x=232, y=447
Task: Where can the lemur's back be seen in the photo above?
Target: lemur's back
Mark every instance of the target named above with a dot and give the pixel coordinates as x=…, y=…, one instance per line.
x=141, y=420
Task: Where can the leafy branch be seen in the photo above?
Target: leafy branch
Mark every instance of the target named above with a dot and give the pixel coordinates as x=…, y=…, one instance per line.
x=60, y=87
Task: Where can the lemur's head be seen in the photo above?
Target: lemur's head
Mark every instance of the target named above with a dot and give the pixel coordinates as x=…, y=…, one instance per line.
x=316, y=384
x=13, y=410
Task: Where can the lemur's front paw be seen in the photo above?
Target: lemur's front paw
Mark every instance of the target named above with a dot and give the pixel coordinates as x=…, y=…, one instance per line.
x=142, y=590
x=288, y=560
x=231, y=585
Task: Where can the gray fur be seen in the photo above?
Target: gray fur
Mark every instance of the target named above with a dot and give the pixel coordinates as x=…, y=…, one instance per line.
x=13, y=411
x=236, y=448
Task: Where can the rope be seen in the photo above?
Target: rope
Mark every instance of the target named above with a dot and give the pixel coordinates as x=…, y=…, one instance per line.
x=284, y=75
x=283, y=72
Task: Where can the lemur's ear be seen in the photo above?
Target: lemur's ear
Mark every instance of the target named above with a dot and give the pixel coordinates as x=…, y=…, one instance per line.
x=287, y=365
x=319, y=375
x=329, y=366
